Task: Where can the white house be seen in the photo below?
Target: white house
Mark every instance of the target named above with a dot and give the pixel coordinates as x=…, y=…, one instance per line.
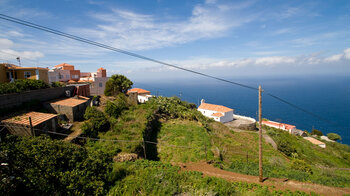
x=217, y=112
x=286, y=127
x=142, y=94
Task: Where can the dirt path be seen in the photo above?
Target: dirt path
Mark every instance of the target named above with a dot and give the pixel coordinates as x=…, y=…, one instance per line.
x=279, y=184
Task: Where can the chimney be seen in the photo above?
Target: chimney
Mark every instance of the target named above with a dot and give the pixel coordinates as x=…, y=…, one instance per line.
x=202, y=101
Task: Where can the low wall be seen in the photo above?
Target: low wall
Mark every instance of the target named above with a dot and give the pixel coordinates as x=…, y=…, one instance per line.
x=16, y=99
x=235, y=116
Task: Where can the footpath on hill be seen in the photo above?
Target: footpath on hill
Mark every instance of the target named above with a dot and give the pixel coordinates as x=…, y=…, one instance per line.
x=279, y=184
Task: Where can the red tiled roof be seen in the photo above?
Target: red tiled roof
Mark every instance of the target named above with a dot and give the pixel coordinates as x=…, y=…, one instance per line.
x=71, y=101
x=37, y=118
x=213, y=107
x=281, y=125
x=101, y=69
x=64, y=64
x=139, y=91
x=217, y=114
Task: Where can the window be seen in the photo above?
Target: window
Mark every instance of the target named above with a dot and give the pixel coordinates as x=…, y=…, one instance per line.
x=100, y=84
x=67, y=76
x=60, y=76
x=75, y=76
x=27, y=74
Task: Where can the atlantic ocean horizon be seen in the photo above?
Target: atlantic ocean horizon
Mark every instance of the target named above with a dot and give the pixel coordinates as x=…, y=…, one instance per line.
x=326, y=97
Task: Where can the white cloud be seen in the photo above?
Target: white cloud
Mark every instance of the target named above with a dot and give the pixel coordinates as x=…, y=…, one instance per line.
x=129, y=30
x=347, y=53
x=11, y=54
x=338, y=57
x=5, y=43
x=274, y=60
x=334, y=58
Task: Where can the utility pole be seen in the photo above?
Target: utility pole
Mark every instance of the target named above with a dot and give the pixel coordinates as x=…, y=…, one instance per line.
x=260, y=139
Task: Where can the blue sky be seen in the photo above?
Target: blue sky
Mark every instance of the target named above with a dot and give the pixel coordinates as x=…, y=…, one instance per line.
x=222, y=38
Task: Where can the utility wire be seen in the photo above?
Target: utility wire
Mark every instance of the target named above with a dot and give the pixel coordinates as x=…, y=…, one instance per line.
x=70, y=36
x=36, y=26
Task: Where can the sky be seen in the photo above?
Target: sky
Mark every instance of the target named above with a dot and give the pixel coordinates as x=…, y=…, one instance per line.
x=229, y=39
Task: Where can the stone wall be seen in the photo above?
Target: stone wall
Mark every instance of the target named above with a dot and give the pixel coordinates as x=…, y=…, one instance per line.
x=16, y=99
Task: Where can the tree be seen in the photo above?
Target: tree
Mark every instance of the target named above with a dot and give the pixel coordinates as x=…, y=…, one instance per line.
x=333, y=136
x=316, y=132
x=117, y=84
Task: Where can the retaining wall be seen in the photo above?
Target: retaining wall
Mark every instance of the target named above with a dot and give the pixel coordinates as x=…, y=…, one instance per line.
x=235, y=116
x=16, y=99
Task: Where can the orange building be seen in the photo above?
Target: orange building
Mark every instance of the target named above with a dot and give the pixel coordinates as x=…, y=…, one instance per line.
x=10, y=72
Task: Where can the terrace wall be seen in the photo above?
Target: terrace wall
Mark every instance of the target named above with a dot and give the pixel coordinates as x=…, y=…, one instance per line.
x=16, y=99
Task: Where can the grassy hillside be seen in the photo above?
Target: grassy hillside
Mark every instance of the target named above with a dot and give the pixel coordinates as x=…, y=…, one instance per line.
x=182, y=134
x=157, y=178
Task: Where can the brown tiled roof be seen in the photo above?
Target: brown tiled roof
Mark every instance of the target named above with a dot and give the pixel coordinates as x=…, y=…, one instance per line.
x=213, y=107
x=139, y=90
x=37, y=118
x=217, y=114
x=71, y=101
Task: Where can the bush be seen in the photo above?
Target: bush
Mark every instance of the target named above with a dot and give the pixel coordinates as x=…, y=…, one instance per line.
x=333, y=136
x=316, y=132
x=41, y=166
x=115, y=108
x=97, y=122
x=22, y=85
x=57, y=84
x=117, y=84
x=89, y=130
x=301, y=165
x=286, y=148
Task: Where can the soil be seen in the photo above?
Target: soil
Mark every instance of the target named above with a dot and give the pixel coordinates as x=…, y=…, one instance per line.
x=274, y=183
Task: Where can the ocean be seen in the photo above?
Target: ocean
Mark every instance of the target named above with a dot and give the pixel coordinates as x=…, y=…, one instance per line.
x=327, y=97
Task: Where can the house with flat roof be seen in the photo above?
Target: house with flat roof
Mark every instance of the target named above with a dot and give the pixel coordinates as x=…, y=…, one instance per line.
x=73, y=108
x=41, y=122
x=217, y=112
x=286, y=127
x=316, y=142
x=142, y=94
x=11, y=72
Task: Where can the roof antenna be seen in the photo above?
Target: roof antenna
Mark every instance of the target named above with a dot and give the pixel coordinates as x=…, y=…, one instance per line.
x=19, y=60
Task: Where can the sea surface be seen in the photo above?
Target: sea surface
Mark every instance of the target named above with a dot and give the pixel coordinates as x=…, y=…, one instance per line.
x=326, y=97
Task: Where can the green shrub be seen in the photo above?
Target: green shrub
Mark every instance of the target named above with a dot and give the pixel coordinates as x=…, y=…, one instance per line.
x=97, y=122
x=41, y=166
x=333, y=136
x=22, y=85
x=286, y=148
x=57, y=84
x=89, y=130
x=115, y=108
x=316, y=132
x=301, y=165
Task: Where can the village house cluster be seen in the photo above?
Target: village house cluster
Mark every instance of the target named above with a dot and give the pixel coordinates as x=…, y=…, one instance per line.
x=66, y=73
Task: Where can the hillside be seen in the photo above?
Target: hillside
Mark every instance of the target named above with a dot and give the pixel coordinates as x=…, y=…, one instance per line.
x=169, y=133
x=180, y=134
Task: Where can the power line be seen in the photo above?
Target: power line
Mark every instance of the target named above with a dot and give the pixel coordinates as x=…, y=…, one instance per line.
x=70, y=36
x=60, y=33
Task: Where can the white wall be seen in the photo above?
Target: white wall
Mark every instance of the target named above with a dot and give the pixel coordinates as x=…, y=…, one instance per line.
x=228, y=116
x=235, y=116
